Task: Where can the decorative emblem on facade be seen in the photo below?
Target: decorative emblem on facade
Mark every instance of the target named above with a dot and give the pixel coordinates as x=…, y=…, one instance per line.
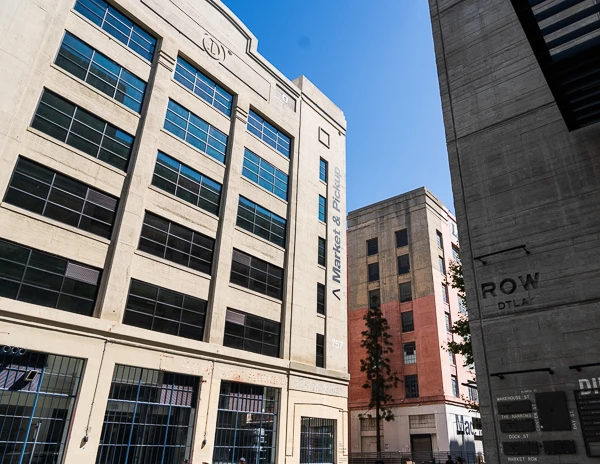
x=213, y=48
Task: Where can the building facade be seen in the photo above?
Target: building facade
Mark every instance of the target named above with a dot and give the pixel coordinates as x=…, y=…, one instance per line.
x=519, y=85
x=398, y=255
x=171, y=247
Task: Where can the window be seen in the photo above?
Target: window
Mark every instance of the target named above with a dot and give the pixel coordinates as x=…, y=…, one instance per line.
x=408, y=323
x=455, y=254
x=43, y=191
x=410, y=353
x=440, y=240
x=322, y=209
x=453, y=229
x=166, y=239
x=265, y=174
x=100, y=72
x=441, y=265
x=203, y=86
x=150, y=417
x=403, y=264
x=454, y=385
x=162, y=310
x=474, y=396
x=43, y=279
x=322, y=253
x=269, y=133
x=260, y=221
x=192, y=186
x=373, y=272
x=317, y=441
x=256, y=274
x=448, y=322
x=461, y=306
x=369, y=424
x=76, y=127
x=196, y=131
x=251, y=333
x=320, y=350
x=451, y=357
x=401, y=238
x=37, y=410
x=405, y=292
x=372, y=247
x=374, y=299
x=320, y=299
x=323, y=168
x=247, y=424
x=118, y=25
x=411, y=386
x=421, y=421
x=445, y=293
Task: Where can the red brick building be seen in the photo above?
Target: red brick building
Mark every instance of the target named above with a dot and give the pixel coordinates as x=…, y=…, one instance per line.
x=398, y=251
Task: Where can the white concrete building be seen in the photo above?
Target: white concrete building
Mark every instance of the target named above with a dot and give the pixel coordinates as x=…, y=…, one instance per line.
x=172, y=246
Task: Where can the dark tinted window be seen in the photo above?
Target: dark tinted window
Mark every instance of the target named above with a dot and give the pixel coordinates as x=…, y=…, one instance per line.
x=251, y=333
x=196, y=131
x=411, y=386
x=76, y=127
x=374, y=299
x=403, y=264
x=265, y=174
x=43, y=191
x=322, y=255
x=192, y=186
x=203, y=86
x=100, y=72
x=372, y=247
x=269, y=133
x=260, y=221
x=320, y=350
x=43, y=279
x=173, y=242
x=408, y=323
x=320, y=299
x=118, y=25
x=256, y=274
x=405, y=292
x=401, y=238
x=162, y=310
x=373, y=272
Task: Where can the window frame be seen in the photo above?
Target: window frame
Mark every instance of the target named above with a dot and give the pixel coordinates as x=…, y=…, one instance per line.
x=268, y=171
x=374, y=293
x=260, y=267
x=320, y=351
x=259, y=123
x=400, y=234
x=162, y=306
x=370, y=246
x=321, y=299
x=403, y=270
x=98, y=201
x=322, y=252
x=403, y=297
x=409, y=358
x=448, y=321
x=411, y=389
x=274, y=221
x=407, y=326
x=310, y=438
x=322, y=209
x=442, y=265
x=455, y=388
x=439, y=239
x=445, y=296
x=323, y=170
x=250, y=325
x=370, y=273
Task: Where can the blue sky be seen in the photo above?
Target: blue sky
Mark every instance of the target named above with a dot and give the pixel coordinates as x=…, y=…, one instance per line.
x=375, y=60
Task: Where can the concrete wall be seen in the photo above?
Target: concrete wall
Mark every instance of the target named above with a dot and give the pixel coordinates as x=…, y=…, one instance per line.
x=31, y=32
x=520, y=178
x=422, y=215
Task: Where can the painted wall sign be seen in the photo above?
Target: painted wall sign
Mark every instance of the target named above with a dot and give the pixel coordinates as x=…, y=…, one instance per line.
x=336, y=270
x=464, y=426
x=508, y=286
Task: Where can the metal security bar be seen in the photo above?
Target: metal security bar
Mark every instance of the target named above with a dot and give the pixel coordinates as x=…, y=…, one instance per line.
x=91, y=66
x=317, y=441
x=149, y=417
x=118, y=25
x=246, y=424
x=37, y=398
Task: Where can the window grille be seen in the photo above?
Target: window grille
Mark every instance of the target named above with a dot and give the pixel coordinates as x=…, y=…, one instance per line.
x=411, y=386
x=369, y=424
x=149, y=417
x=247, y=424
x=38, y=392
x=408, y=323
x=410, y=353
x=317, y=440
x=405, y=292
x=421, y=421
x=403, y=264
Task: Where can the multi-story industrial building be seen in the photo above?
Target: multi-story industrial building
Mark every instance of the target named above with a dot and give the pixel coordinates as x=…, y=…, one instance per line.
x=398, y=255
x=172, y=281
x=521, y=97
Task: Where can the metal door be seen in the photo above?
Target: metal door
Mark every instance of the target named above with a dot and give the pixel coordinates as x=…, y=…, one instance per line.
x=421, y=448
x=37, y=397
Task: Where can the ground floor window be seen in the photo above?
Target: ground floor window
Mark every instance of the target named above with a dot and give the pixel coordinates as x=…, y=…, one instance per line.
x=149, y=417
x=37, y=398
x=317, y=440
x=246, y=424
